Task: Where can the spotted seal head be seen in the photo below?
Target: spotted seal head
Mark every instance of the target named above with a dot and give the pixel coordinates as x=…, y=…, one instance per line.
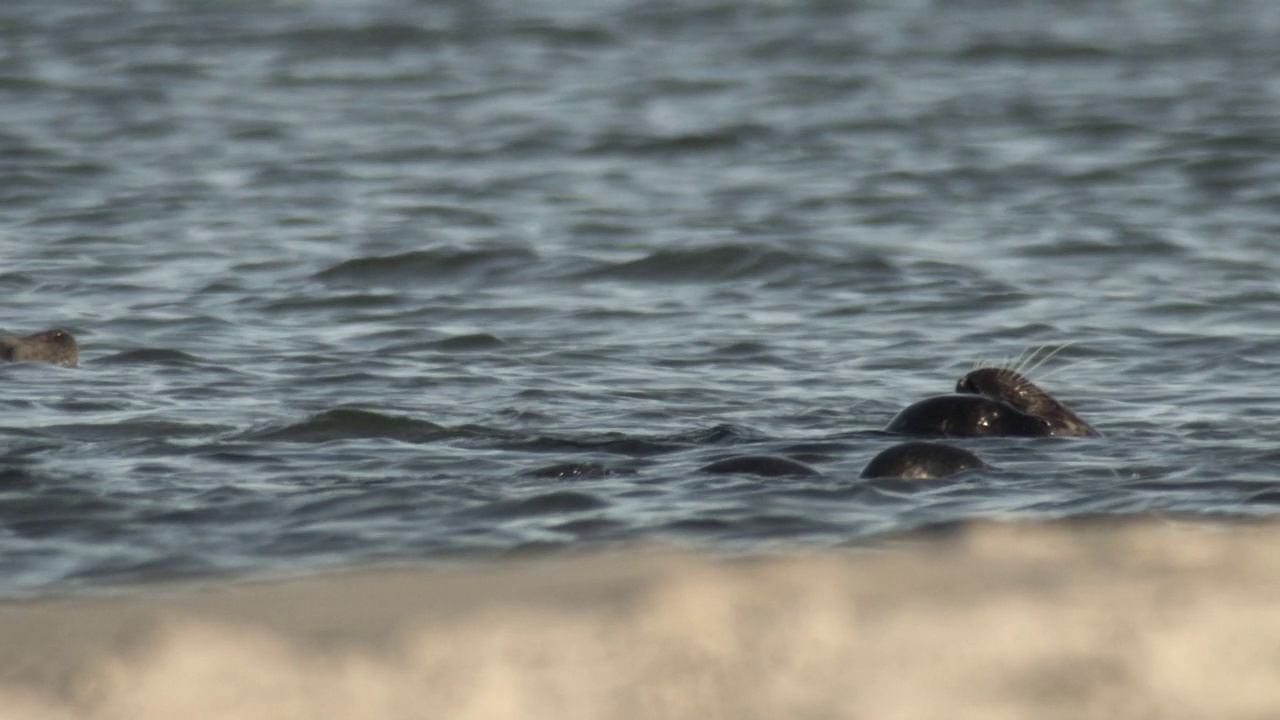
x=1015, y=389
x=966, y=416
x=921, y=461
x=51, y=346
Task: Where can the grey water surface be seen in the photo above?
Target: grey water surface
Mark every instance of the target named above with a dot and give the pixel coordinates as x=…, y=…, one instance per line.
x=387, y=279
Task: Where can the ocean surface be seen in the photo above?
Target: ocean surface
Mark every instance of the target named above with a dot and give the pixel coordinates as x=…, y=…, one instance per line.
x=384, y=280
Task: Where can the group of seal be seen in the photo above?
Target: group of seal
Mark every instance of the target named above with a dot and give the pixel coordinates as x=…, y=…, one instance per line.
x=56, y=346
x=988, y=402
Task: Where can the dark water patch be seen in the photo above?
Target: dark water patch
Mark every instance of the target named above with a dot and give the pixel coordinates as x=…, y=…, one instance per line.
x=331, y=302
x=602, y=229
x=16, y=280
x=151, y=356
x=22, y=83
x=168, y=568
x=78, y=405
x=591, y=527
x=742, y=349
x=638, y=446
x=705, y=526
x=1034, y=49
x=574, y=471
x=315, y=542
x=756, y=526
x=355, y=424
x=354, y=504
x=1225, y=176
x=723, y=434
x=1269, y=497
x=449, y=215
x=552, y=503
x=299, y=172
x=257, y=132
x=566, y=36
x=735, y=261
x=819, y=448
x=1118, y=245
x=451, y=265
x=612, y=443
x=723, y=139
x=145, y=430
x=475, y=342
x=379, y=39
x=14, y=478
x=167, y=71
x=209, y=512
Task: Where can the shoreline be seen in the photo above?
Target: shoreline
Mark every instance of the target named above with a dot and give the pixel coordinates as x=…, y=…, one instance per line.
x=1099, y=618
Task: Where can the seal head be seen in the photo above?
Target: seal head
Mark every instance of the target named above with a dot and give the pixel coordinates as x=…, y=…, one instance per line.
x=51, y=346
x=966, y=416
x=1014, y=388
x=921, y=461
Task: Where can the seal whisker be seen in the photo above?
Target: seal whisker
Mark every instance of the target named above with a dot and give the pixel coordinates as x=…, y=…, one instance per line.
x=1032, y=361
x=1016, y=362
x=1068, y=366
x=1048, y=357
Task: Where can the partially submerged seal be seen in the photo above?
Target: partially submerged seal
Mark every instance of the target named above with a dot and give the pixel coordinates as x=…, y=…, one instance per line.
x=51, y=346
x=1015, y=389
x=921, y=461
x=966, y=416
x=763, y=465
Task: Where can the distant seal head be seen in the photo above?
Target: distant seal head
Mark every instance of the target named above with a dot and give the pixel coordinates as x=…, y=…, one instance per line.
x=922, y=461
x=966, y=416
x=1015, y=389
x=51, y=346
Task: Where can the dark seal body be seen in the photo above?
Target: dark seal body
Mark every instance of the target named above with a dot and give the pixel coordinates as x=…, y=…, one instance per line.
x=51, y=346
x=764, y=465
x=921, y=461
x=1014, y=388
x=966, y=416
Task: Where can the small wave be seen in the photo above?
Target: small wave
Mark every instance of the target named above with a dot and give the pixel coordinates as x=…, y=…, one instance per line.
x=469, y=343
x=572, y=471
x=131, y=430
x=377, y=39
x=443, y=264
x=1034, y=49
x=351, y=423
x=727, y=138
x=718, y=262
x=635, y=446
x=552, y=503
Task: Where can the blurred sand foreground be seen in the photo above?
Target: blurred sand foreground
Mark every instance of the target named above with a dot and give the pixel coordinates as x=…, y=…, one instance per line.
x=1150, y=619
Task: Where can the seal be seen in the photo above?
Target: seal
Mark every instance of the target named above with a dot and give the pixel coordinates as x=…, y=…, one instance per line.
x=1015, y=389
x=966, y=415
x=921, y=461
x=763, y=465
x=51, y=346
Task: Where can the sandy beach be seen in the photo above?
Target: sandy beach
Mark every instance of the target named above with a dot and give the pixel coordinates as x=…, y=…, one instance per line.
x=1141, y=619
